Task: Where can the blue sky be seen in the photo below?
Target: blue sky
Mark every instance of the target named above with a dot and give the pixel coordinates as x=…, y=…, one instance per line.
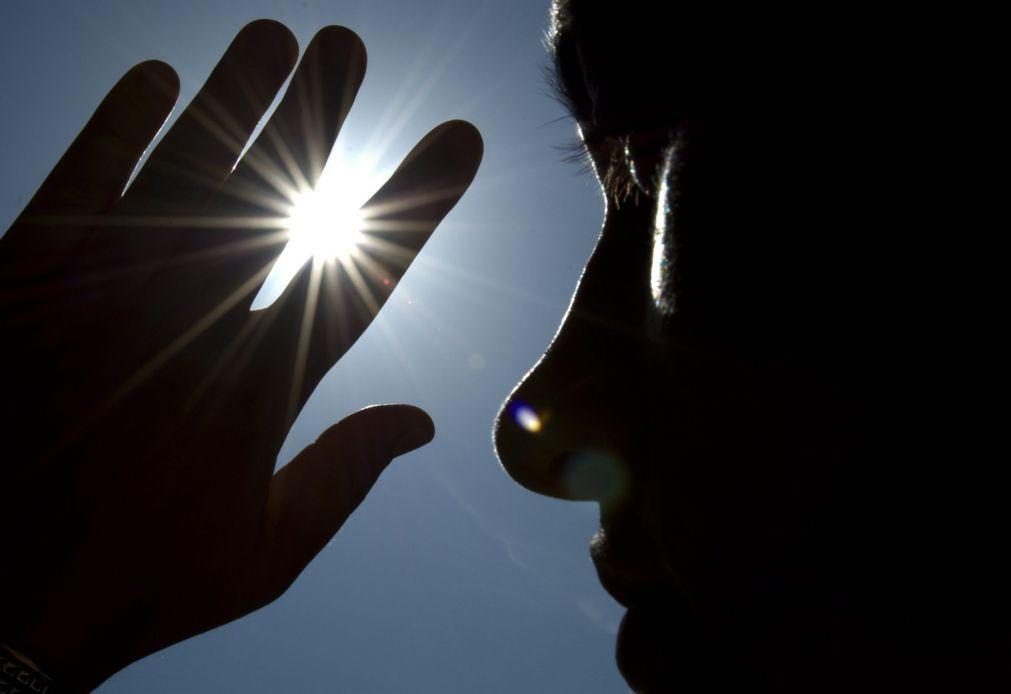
x=449, y=578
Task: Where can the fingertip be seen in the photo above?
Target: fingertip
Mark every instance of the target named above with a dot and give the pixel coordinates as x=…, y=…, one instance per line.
x=389, y=430
x=459, y=144
x=260, y=31
x=311, y=497
x=467, y=135
x=336, y=34
x=417, y=424
x=264, y=25
x=94, y=170
x=153, y=79
x=344, y=47
x=467, y=146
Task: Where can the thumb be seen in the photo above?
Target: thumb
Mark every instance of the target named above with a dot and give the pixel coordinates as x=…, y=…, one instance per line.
x=310, y=498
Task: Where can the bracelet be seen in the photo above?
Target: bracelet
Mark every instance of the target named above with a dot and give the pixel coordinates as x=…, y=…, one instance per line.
x=19, y=675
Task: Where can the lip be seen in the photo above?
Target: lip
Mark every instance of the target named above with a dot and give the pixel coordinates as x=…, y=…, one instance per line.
x=632, y=590
x=659, y=644
x=644, y=647
x=629, y=569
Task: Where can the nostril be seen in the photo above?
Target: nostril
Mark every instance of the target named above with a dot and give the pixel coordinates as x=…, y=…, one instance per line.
x=593, y=475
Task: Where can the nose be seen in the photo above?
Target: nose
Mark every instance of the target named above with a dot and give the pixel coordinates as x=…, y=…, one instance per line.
x=568, y=430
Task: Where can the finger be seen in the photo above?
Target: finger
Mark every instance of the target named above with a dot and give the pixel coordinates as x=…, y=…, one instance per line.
x=425, y=187
x=92, y=173
x=310, y=498
x=201, y=148
x=215, y=269
x=329, y=305
x=191, y=161
x=289, y=153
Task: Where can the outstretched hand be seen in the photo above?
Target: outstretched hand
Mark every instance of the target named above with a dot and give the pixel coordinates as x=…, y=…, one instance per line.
x=144, y=403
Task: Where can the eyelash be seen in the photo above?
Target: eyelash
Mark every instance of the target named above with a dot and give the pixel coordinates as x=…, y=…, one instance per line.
x=615, y=176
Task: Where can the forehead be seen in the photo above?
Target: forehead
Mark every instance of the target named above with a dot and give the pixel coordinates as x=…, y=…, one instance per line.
x=681, y=29
x=628, y=21
x=628, y=64
x=684, y=56
x=638, y=37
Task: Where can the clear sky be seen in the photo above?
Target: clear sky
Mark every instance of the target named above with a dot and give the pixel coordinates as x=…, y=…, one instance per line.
x=450, y=577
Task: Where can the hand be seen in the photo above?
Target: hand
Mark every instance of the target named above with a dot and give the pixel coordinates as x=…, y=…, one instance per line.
x=144, y=403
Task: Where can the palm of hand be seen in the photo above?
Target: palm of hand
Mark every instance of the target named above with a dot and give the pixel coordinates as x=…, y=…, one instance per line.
x=145, y=403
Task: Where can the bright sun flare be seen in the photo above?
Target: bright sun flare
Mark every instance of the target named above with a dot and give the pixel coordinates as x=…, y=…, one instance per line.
x=325, y=225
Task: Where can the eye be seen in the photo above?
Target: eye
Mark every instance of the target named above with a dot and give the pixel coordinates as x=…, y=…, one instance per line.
x=625, y=163
x=620, y=167
x=644, y=152
x=603, y=156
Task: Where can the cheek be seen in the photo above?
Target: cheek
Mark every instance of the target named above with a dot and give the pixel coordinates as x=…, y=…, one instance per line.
x=743, y=440
x=743, y=464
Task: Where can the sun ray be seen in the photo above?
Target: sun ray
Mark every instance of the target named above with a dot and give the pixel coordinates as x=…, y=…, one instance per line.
x=438, y=324
x=165, y=221
x=151, y=367
x=364, y=293
x=404, y=203
x=400, y=255
x=295, y=174
x=331, y=282
x=244, y=339
x=205, y=322
x=278, y=190
x=304, y=337
x=398, y=116
x=376, y=270
x=92, y=276
x=397, y=346
x=327, y=222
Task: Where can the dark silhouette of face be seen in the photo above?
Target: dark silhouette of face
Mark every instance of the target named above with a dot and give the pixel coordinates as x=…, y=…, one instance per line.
x=751, y=379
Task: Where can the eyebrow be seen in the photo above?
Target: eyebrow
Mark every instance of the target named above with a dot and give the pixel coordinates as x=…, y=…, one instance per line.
x=564, y=74
x=560, y=20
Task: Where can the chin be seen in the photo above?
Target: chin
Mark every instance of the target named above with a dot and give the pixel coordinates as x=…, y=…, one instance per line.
x=661, y=646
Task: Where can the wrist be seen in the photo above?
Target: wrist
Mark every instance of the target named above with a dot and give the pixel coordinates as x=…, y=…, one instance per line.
x=28, y=667
x=19, y=673
x=73, y=657
x=25, y=669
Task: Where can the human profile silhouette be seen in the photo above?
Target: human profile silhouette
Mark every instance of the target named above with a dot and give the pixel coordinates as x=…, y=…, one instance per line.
x=763, y=376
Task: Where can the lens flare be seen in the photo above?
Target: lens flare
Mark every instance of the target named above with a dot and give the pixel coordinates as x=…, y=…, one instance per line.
x=595, y=475
x=526, y=417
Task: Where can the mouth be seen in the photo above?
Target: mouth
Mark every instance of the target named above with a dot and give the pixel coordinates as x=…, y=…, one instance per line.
x=656, y=633
x=660, y=645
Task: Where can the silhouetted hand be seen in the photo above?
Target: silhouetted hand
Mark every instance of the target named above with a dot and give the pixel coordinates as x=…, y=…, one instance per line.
x=144, y=404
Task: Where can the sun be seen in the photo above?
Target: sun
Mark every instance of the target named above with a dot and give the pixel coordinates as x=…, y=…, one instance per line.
x=325, y=225
x=330, y=223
